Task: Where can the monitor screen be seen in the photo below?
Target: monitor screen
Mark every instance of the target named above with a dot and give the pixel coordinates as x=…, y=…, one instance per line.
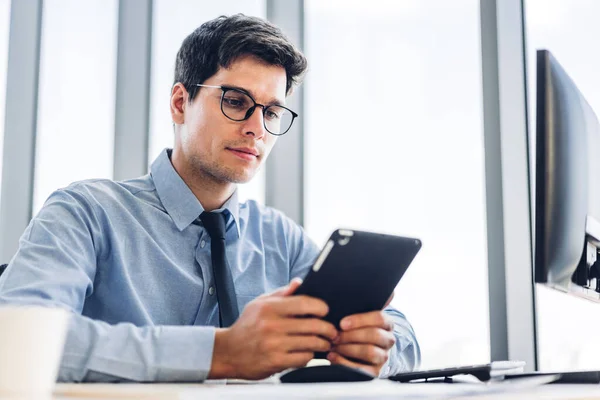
x=567, y=184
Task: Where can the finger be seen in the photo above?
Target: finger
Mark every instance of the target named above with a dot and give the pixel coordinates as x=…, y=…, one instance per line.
x=376, y=319
x=292, y=287
x=336, y=358
x=309, y=326
x=283, y=360
x=298, y=306
x=387, y=303
x=286, y=290
x=302, y=343
x=375, y=336
x=364, y=353
x=298, y=359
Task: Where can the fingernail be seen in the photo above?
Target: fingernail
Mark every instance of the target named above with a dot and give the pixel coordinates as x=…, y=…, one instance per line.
x=336, y=339
x=331, y=356
x=346, y=324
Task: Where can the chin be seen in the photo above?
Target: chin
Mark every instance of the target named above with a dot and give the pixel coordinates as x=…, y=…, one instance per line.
x=243, y=176
x=229, y=173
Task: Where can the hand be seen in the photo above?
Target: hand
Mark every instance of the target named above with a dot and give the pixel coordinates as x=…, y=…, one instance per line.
x=365, y=342
x=269, y=337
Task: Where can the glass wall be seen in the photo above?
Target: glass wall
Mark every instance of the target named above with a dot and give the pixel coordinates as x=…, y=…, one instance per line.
x=75, y=127
x=172, y=22
x=4, y=31
x=394, y=143
x=567, y=329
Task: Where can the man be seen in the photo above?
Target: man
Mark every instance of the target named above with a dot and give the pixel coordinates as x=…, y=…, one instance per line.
x=138, y=262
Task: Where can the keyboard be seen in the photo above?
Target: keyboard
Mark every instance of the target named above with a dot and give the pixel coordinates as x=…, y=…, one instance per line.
x=483, y=372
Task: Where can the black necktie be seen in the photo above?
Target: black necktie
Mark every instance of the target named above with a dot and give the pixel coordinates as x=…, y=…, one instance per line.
x=228, y=308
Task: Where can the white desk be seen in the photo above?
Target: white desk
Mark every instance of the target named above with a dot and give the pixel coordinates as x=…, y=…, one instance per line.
x=380, y=389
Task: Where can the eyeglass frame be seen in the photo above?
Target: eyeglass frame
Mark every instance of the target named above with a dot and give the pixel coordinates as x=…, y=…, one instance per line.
x=250, y=110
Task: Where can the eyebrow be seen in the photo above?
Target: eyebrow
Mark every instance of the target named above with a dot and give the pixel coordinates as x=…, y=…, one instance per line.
x=273, y=102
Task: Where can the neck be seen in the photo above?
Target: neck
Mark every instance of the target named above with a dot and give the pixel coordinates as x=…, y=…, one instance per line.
x=210, y=192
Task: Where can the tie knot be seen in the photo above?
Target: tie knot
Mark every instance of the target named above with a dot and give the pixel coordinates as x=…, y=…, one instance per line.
x=214, y=224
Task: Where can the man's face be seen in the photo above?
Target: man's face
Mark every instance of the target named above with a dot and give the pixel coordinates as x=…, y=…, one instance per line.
x=211, y=144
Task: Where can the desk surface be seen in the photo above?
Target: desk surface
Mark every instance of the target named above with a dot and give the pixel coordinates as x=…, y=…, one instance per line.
x=378, y=389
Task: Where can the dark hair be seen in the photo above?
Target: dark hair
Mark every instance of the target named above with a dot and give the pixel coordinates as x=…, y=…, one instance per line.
x=219, y=42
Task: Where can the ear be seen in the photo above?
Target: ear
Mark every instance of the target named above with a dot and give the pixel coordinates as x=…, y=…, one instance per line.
x=179, y=99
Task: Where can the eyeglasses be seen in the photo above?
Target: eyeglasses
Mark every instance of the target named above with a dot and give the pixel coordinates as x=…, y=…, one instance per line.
x=238, y=105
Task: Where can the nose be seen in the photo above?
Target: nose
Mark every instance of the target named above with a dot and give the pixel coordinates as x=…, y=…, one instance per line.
x=255, y=124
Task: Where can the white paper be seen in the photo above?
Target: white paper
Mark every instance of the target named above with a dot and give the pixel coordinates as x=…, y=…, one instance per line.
x=376, y=389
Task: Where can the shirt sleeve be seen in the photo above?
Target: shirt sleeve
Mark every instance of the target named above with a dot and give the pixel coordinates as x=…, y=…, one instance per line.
x=99, y=352
x=406, y=354
x=303, y=251
x=55, y=266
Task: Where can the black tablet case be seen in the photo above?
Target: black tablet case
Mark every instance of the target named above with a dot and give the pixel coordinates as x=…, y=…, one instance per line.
x=360, y=272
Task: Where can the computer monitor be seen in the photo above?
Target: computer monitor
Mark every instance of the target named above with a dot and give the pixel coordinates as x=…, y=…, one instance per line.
x=567, y=184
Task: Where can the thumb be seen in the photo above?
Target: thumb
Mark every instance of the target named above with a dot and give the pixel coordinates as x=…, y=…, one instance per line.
x=287, y=290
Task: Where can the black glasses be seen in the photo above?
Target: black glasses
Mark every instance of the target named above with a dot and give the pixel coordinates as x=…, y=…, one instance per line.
x=238, y=105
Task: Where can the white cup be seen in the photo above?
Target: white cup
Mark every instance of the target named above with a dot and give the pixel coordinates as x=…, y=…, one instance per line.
x=31, y=344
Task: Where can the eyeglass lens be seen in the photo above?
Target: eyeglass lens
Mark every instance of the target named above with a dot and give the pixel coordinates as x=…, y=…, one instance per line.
x=237, y=106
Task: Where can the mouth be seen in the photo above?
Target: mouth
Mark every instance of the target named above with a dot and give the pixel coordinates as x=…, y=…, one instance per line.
x=244, y=153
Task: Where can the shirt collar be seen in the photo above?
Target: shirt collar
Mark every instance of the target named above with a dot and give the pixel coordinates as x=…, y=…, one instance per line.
x=179, y=201
x=232, y=207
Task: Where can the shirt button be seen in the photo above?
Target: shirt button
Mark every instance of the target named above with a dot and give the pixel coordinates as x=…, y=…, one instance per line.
x=211, y=290
x=202, y=243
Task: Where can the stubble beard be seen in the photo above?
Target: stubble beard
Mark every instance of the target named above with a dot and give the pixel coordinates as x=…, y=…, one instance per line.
x=218, y=172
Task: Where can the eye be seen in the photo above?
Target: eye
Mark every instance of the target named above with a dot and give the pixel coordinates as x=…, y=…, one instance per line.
x=271, y=115
x=234, y=101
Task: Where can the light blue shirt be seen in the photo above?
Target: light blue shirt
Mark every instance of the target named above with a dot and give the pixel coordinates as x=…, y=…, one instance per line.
x=131, y=261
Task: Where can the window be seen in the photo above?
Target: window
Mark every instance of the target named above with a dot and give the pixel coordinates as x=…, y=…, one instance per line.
x=4, y=31
x=394, y=143
x=172, y=22
x=567, y=331
x=75, y=135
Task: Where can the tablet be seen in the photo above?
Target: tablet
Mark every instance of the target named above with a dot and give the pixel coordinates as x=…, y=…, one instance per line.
x=356, y=272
